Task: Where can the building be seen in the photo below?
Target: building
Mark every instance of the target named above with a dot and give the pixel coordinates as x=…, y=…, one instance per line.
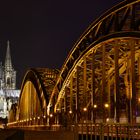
x=8, y=92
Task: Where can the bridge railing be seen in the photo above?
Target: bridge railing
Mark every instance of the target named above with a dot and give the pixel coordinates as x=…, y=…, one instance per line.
x=92, y=131
x=102, y=131
x=89, y=131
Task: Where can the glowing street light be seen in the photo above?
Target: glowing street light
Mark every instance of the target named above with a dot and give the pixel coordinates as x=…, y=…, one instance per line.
x=58, y=109
x=84, y=109
x=106, y=105
x=70, y=112
x=95, y=106
x=107, y=119
x=51, y=115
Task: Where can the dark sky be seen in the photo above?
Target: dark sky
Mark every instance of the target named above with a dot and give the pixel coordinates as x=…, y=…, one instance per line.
x=42, y=32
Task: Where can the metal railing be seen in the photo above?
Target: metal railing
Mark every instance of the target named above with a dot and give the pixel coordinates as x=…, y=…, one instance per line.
x=89, y=131
x=93, y=131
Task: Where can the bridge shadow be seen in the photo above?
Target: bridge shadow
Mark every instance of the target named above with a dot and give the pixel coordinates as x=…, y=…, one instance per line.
x=18, y=135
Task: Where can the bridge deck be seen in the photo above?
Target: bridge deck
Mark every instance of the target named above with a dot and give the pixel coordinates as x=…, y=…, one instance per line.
x=87, y=131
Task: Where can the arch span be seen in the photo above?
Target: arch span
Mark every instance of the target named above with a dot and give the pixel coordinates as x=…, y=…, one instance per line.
x=35, y=93
x=109, y=47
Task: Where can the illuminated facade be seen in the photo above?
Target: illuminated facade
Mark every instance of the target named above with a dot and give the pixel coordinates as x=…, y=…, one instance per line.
x=100, y=79
x=8, y=92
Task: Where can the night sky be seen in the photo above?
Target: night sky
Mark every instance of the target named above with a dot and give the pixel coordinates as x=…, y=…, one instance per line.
x=42, y=32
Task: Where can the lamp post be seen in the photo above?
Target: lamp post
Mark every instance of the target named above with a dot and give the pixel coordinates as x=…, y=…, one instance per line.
x=44, y=120
x=95, y=107
x=85, y=114
x=106, y=105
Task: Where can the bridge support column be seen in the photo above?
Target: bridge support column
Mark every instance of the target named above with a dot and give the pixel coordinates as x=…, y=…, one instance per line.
x=85, y=95
x=65, y=100
x=71, y=109
x=93, y=113
x=132, y=84
x=77, y=96
x=138, y=94
x=110, y=102
x=127, y=85
x=116, y=84
x=103, y=98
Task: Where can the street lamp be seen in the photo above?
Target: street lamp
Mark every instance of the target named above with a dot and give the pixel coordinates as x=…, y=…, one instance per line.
x=70, y=112
x=51, y=115
x=84, y=109
x=95, y=106
x=106, y=105
x=94, y=112
x=107, y=119
x=139, y=100
x=85, y=114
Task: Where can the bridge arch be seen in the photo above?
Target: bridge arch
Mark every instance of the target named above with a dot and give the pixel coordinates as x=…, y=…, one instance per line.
x=109, y=47
x=35, y=92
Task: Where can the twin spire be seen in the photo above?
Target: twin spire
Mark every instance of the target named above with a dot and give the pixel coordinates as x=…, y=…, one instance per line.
x=8, y=62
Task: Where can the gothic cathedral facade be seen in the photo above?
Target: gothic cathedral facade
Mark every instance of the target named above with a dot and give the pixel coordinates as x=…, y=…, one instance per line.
x=8, y=92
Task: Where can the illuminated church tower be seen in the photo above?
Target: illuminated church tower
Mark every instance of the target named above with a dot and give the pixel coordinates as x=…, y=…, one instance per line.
x=8, y=92
x=9, y=72
x=1, y=76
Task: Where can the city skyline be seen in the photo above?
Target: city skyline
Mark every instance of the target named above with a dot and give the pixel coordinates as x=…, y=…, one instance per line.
x=41, y=33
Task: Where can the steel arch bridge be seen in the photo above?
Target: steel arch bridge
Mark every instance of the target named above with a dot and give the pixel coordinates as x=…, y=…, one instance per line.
x=99, y=81
x=36, y=89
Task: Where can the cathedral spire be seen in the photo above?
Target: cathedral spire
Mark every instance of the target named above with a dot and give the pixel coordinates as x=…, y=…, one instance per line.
x=8, y=62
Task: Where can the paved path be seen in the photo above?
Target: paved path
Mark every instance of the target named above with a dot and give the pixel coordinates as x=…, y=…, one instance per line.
x=36, y=135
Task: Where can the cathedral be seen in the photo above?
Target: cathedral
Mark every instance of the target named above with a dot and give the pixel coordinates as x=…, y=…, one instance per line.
x=8, y=92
